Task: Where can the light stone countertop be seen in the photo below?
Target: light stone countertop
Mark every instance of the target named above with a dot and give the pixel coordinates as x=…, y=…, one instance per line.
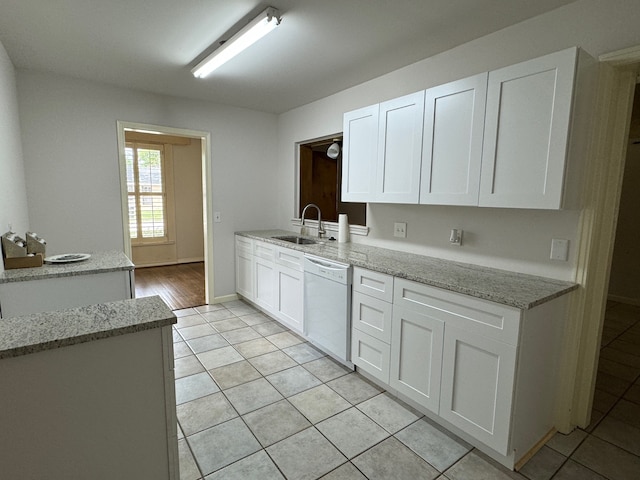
x=501, y=286
x=99, y=262
x=45, y=331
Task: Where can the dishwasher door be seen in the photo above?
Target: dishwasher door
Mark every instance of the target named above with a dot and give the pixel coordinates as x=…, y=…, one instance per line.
x=327, y=306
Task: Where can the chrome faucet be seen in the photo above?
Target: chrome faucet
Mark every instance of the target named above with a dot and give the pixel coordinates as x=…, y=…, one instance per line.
x=321, y=230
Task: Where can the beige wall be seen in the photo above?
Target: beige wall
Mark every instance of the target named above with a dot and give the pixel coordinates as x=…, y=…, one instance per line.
x=188, y=232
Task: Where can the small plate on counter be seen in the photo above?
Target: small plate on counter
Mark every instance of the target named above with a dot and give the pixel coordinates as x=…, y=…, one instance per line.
x=67, y=258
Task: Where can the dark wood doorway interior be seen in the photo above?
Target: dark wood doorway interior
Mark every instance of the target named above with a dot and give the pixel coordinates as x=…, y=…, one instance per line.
x=180, y=286
x=320, y=183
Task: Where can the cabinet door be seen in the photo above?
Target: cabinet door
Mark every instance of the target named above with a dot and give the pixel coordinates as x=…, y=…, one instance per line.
x=477, y=386
x=416, y=356
x=265, y=283
x=370, y=354
x=289, y=304
x=371, y=315
x=359, y=154
x=452, y=142
x=526, y=132
x=244, y=267
x=400, y=149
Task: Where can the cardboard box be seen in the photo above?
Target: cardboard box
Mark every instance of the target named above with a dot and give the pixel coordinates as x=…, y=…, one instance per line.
x=24, y=262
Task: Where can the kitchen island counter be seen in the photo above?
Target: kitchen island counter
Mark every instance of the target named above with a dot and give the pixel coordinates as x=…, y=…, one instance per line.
x=48, y=330
x=104, y=277
x=89, y=392
x=99, y=262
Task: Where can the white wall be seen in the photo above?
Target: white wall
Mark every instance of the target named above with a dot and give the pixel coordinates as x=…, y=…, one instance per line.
x=13, y=194
x=72, y=172
x=512, y=239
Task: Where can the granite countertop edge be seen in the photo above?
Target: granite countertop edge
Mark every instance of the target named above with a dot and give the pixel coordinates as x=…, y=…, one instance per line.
x=518, y=290
x=99, y=262
x=27, y=334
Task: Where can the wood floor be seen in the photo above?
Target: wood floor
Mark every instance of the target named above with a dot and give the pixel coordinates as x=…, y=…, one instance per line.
x=180, y=286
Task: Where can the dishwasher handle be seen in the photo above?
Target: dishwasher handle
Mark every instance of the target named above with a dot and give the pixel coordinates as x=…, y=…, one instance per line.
x=332, y=266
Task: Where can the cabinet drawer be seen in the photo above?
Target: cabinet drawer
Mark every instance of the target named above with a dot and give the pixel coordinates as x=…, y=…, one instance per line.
x=244, y=244
x=371, y=355
x=469, y=313
x=372, y=316
x=289, y=258
x=374, y=284
x=264, y=250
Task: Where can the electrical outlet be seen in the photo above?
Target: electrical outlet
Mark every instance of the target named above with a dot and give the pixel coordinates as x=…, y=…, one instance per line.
x=559, y=249
x=400, y=229
x=455, y=237
x=217, y=217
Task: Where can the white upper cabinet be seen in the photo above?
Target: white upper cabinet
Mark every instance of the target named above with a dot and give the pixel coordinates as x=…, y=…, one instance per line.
x=452, y=142
x=497, y=139
x=400, y=149
x=359, y=154
x=527, y=131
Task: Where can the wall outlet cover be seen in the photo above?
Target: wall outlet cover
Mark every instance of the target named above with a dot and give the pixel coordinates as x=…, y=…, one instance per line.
x=400, y=229
x=559, y=249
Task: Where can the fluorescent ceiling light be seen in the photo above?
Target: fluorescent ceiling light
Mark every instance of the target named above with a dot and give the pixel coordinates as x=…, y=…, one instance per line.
x=251, y=33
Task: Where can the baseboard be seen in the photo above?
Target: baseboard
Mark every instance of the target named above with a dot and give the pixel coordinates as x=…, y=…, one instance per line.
x=168, y=264
x=621, y=299
x=225, y=298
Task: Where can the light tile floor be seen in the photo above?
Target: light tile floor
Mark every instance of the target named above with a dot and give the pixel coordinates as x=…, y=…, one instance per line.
x=255, y=401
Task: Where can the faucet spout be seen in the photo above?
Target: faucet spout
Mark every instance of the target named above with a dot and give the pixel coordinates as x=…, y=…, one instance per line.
x=321, y=230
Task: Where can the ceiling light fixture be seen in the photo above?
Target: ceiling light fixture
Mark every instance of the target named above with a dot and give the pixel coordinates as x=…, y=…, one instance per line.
x=251, y=33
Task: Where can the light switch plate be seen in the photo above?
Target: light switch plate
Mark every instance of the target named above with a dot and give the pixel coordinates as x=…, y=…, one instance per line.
x=400, y=229
x=559, y=249
x=217, y=217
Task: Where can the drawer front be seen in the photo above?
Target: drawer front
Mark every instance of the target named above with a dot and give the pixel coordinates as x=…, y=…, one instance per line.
x=371, y=355
x=290, y=258
x=244, y=244
x=264, y=250
x=374, y=284
x=372, y=316
x=468, y=313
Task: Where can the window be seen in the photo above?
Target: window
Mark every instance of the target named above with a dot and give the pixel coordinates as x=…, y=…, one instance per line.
x=147, y=193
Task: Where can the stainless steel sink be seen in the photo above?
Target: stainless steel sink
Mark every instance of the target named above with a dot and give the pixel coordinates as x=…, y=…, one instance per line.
x=296, y=239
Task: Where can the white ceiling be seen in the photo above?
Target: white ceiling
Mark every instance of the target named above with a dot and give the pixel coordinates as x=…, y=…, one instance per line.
x=322, y=46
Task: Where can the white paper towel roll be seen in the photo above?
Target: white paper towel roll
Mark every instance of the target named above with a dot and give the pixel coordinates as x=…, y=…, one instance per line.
x=343, y=228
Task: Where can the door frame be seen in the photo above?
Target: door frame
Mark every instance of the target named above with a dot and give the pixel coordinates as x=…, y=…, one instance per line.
x=617, y=73
x=207, y=190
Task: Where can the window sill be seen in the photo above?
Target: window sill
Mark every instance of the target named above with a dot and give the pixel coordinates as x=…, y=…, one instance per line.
x=332, y=226
x=153, y=244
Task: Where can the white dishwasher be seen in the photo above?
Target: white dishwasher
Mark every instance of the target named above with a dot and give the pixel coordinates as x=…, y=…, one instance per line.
x=327, y=306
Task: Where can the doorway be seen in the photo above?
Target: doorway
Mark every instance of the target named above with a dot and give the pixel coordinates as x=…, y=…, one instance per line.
x=199, y=137
x=617, y=74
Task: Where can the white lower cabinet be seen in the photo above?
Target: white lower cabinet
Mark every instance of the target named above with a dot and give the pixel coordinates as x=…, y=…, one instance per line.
x=244, y=267
x=289, y=305
x=416, y=356
x=371, y=311
x=272, y=277
x=478, y=376
x=265, y=276
x=484, y=370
